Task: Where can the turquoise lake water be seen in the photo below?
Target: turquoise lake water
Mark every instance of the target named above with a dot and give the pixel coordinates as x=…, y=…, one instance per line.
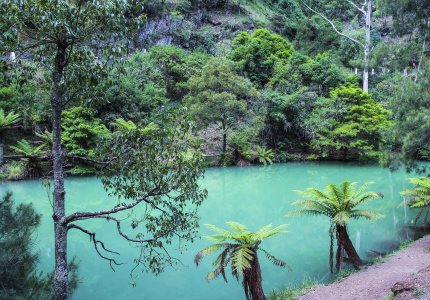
x=254, y=196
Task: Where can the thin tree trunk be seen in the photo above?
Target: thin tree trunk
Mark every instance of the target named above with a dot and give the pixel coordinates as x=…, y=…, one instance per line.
x=224, y=138
x=349, y=247
x=367, y=47
x=60, y=228
x=421, y=58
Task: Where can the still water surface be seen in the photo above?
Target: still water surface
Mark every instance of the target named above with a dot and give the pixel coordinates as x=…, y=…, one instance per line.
x=254, y=196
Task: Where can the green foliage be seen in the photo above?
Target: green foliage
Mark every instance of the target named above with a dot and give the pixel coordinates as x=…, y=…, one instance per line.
x=419, y=196
x=219, y=95
x=410, y=133
x=239, y=249
x=257, y=54
x=27, y=150
x=15, y=170
x=176, y=68
x=265, y=156
x=349, y=121
x=7, y=120
x=319, y=74
x=18, y=262
x=337, y=202
x=82, y=132
x=153, y=166
x=46, y=137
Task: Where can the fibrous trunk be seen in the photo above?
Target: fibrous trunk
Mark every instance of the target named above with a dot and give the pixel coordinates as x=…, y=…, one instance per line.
x=252, y=280
x=344, y=243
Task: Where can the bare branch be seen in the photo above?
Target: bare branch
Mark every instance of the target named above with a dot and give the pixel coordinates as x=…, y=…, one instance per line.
x=93, y=238
x=334, y=26
x=86, y=159
x=356, y=6
x=95, y=214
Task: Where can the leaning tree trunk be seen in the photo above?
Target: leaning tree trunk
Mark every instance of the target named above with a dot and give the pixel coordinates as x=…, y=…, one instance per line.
x=252, y=280
x=60, y=227
x=343, y=238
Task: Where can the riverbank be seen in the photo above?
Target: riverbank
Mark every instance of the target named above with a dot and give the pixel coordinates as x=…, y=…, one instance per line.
x=403, y=275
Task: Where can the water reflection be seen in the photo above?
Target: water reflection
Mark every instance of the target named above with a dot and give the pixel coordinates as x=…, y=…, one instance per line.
x=254, y=196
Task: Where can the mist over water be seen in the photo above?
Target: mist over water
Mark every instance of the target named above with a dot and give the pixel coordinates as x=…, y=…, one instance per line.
x=254, y=196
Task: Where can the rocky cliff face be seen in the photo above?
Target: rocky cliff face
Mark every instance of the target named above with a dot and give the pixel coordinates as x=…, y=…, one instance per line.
x=160, y=31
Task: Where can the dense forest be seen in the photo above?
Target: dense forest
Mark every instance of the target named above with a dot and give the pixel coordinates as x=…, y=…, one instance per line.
x=275, y=80
x=136, y=91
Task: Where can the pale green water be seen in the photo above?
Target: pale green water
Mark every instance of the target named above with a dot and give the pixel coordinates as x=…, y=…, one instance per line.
x=254, y=196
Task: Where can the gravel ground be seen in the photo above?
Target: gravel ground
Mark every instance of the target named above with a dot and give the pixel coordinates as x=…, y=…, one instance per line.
x=405, y=275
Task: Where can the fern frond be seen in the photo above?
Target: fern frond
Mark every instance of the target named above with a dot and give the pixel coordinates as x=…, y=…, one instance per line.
x=266, y=233
x=242, y=257
x=341, y=218
x=362, y=188
x=368, y=214
x=274, y=260
x=236, y=227
x=208, y=251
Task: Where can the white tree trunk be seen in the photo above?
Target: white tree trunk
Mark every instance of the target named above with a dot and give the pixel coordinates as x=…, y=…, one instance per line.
x=368, y=15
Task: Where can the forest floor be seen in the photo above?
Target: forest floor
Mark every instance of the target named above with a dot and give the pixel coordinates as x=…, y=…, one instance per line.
x=403, y=275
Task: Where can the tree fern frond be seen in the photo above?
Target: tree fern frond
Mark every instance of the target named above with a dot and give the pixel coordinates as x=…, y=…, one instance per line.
x=304, y=212
x=362, y=188
x=274, y=260
x=242, y=257
x=341, y=218
x=312, y=193
x=208, y=251
x=236, y=227
x=368, y=214
x=266, y=233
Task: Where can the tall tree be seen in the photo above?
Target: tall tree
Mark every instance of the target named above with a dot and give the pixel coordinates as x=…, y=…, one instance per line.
x=338, y=202
x=63, y=36
x=241, y=253
x=219, y=95
x=349, y=121
x=366, y=10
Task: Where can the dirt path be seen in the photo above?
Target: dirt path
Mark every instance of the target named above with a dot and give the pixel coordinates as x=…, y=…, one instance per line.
x=406, y=269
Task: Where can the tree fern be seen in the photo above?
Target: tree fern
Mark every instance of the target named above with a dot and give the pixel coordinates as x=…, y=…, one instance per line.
x=240, y=254
x=7, y=120
x=337, y=202
x=419, y=197
x=27, y=150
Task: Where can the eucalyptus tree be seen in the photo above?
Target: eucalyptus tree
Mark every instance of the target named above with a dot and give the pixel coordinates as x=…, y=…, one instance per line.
x=338, y=202
x=241, y=254
x=79, y=42
x=419, y=197
x=366, y=9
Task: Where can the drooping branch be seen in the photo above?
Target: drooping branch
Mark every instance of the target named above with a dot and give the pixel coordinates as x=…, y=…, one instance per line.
x=334, y=26
x=118, y=226
x=93, y=238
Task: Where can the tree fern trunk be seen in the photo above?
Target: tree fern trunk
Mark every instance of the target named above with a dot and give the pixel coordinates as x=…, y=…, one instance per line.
x=349, y=247
x=252, y=278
